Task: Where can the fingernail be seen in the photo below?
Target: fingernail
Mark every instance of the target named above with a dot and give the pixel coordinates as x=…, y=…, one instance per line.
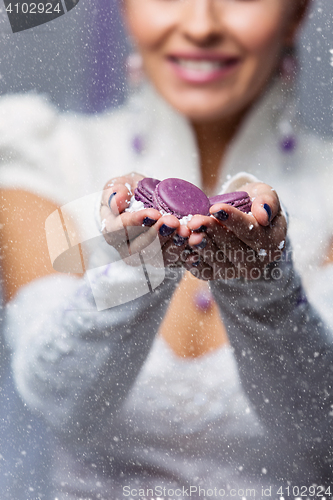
x=201, y=229
x=269, y=211
x=179, y=240
x=196, y=263
x=148, y=222
x=202, y=244
x=110, y=199
x=166, y=230
x=185, y=254
x=221, y=215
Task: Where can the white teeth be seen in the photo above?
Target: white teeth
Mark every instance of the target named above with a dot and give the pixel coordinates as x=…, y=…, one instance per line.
x=203, y=66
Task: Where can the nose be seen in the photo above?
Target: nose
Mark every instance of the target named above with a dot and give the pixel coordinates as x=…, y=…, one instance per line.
x=201, y=21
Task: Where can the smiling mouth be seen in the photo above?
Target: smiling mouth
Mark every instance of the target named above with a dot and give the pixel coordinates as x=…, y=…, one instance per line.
x=204, y=66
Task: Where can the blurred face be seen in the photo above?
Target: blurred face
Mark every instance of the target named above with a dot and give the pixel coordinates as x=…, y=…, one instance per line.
x=210, y=59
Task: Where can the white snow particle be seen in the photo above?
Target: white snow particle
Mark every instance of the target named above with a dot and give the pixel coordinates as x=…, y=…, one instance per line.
x=185, y=219
x=134, y=205
x=128, y=187
x=103, y=225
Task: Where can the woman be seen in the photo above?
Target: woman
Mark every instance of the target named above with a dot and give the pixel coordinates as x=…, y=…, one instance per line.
x=125, y=433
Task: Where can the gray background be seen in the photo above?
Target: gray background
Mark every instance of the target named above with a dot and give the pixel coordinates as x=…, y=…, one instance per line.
x=70, y=59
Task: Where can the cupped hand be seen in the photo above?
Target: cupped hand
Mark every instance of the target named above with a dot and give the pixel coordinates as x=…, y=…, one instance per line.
x=132, y=234
x=232, y=244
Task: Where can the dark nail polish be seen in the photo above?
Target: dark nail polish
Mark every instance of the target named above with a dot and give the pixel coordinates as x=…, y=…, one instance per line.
x=221, y=215
x=166, y=230
x=185, y=254
x=269, y=211
x=179, y=240
x=201, y=229
x=148, y=222
x=202, y=244
x=110, y=199
x=196, y=263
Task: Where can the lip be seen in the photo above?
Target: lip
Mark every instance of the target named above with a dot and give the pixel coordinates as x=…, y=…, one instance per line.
x=214, y=66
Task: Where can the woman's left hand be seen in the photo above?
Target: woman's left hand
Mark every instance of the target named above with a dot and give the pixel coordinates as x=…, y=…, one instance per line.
x=232, y=244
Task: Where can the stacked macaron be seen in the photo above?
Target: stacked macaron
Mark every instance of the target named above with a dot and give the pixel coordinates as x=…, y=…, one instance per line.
x=182, y=199
x=145, y=190
x=237, y=199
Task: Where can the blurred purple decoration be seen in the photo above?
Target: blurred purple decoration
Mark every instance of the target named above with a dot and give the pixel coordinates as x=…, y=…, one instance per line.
x=302, y=299
x=289, y=67
x=138, y=144
x=203, y=300
x=288, y=143
x=105, y=73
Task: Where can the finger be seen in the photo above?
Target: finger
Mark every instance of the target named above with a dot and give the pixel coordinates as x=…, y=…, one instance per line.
x=167, y=226
x=172, y=254
x=232, y=254
x=199, y=225
x=221, y=248
x=140, y=219
x=174, y=247
x=121, y=230
x=203, y=226
x=148, y=245
x=208, y=270
x=130, y=179
x=198, y=268
x=276, y=234
x=116, y=198
x=118, y=192
x=265, y=202
x=243, y=225
x=246, y=244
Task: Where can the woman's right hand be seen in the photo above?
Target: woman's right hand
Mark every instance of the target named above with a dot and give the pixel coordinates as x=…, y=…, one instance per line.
x=238, y=244
x=131, y=233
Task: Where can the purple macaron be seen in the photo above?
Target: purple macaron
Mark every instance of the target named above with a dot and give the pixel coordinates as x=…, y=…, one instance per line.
x=180, y=198
x=237, y=199
x=144, y=191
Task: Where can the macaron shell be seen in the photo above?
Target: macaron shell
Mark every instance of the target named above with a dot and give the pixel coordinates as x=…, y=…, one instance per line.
x=180, y=198
x=144, y=191
x=237, y=199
